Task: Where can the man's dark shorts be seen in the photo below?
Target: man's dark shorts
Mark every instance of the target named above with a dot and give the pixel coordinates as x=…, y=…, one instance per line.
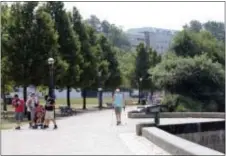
x=118, y=110
x=19, y=116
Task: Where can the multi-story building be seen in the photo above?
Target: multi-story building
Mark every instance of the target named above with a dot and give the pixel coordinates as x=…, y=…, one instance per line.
x=159, y=39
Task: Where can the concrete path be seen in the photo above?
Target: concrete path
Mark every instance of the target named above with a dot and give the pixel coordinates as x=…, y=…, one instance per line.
x=92, y=133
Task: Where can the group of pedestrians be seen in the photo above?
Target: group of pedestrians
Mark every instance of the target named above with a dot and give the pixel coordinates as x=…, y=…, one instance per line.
x=35, y=111
x=37, y=114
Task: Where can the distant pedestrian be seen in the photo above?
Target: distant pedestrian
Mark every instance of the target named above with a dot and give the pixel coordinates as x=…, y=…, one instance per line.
x=119, y=104
x=31, y=104
x=18, y=104
x=49, y=112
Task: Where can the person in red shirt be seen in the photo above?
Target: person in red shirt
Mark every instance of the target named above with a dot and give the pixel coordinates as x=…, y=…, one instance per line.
x=18, y=104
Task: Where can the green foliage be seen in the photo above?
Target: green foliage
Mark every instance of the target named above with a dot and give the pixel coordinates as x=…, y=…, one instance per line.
x=90, y=64
x=217, y=29
x=114, y=34
x=194, y=26
x=126, y=65
x=146, y=59
x=188, y=43
x=95, y=22
x=198, y=78
x=142, y=64
x=194, y=69
x=111, y=79
x=20, y=49
x=179, y=103
x=47, y=37
x=69, y=44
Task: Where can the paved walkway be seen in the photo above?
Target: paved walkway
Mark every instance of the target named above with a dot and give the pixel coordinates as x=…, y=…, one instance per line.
x=91, y=133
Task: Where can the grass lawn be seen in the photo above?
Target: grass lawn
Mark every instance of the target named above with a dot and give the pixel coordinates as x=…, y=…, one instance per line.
x=75, y=103
x=6, y=124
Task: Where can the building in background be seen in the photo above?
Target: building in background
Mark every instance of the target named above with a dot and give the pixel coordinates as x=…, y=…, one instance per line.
x=159, y=39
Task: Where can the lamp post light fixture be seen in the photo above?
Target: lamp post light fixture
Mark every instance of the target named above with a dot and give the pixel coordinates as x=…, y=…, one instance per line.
x=100, y=90
x=51, y=84
x=140, y=82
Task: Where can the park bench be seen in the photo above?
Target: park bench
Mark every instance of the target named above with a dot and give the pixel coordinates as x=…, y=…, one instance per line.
x=109, y=105
x=66, y=111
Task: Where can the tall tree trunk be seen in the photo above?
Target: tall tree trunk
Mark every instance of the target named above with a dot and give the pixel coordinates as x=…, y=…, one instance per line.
x=3, y=97
x=101, y=100
x=25, y=98
x=68, y=97
x=152, y=92
x=84, y=98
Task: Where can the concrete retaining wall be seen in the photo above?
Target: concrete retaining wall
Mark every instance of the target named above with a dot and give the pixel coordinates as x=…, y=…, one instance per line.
x=212, y=139
x=174, y=144
x=179, y=115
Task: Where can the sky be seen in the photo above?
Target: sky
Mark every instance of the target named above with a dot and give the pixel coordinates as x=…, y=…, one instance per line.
x=168, y=15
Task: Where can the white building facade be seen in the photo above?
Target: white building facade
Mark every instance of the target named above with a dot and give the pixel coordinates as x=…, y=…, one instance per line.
x=160, y=39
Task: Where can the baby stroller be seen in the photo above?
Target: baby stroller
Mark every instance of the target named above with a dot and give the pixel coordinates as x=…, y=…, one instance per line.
x=39, y=116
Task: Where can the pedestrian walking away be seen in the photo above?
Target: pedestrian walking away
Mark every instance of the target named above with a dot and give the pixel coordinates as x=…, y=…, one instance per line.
x=18, y=104
x=49, y=113
x=119, y=104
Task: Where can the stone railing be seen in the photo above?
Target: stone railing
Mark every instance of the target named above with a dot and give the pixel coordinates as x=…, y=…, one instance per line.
x=134, y=114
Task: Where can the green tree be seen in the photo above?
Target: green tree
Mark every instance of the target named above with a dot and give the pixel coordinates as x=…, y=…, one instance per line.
x=45, y=46
x=126, y=65
x=69, y=46
x=142, y=67
x=5, y=63
x=188, y=43
x=101, y=63
x=106, y=26
x=198, y=78
x=90, y=64
x=113, y=78
x=194, y=26
x=217, y=29
x=95, y=22
x=21, y=43
x=118, y=38
x=154, y=59
x=114, y=34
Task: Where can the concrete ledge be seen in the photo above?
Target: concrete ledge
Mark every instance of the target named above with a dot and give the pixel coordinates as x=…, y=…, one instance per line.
x=134, y=114
x=175, y=145
x=140, y=126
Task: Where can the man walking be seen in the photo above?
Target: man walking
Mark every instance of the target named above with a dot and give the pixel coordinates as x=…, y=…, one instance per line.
x=49, y=114
x=118, y=103
x=18, y=104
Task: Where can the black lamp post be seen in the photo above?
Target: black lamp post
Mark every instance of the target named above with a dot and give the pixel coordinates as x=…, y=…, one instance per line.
x=51, y=84
x=100, y=90
x=140, y=81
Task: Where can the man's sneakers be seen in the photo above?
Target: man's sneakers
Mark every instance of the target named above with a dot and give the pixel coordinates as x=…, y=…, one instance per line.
x=55, y=127
x=45, y=127
x=35, y=127
x=17, y=128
